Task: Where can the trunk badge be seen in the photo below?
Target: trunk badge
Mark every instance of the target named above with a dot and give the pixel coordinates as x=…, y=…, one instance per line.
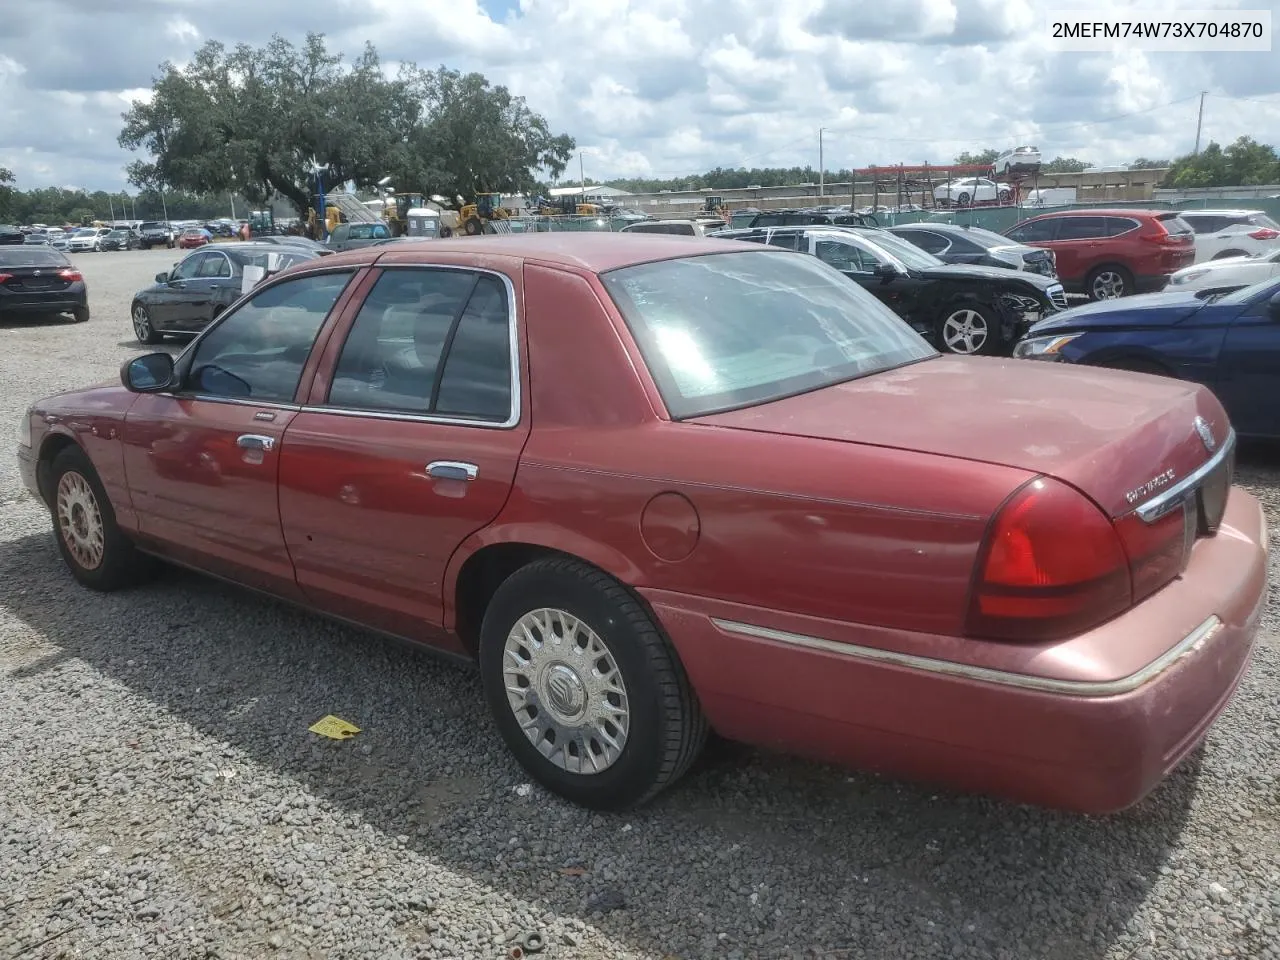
x=1206, y=434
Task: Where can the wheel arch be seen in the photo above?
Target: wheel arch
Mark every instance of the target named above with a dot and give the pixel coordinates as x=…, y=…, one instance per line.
x=54, y=442
x=479, y=567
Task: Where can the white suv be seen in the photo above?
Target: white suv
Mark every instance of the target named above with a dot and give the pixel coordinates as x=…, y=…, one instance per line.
x=1232, y=233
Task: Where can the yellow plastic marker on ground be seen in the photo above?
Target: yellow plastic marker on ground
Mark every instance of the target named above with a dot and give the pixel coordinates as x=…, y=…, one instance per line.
x=335, y=728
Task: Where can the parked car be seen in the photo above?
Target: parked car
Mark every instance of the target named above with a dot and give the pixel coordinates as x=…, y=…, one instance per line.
x=157, y=233
x=960, y=308
x=679, y=228
x=940, y=567
x=120, y=239
x=1231, y=233
x=291, y=240
x=1111, y=253
x=965, y=191
x=956, y=243
x=800, y=218
x=58, y=238
x=1228, y=274
x=9, y=234
x=353, y=236
x=87, y=239
x=1228, y=342
x=193, y=237
x=203, y=284
x=36, y=237
x=36, y=279
x=1019, y=160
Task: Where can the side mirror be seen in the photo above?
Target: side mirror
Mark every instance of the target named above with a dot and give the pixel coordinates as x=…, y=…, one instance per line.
x=162, y=278
x=885, y=271
x=149, y=373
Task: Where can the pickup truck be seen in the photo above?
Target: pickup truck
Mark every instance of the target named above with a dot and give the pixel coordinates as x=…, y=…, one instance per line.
x=155, y=233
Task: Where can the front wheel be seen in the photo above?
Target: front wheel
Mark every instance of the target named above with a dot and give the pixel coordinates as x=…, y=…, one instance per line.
x=143, y=328
x=969, y=329
x=94, y=548
x=584, y=688
x=1003, y=196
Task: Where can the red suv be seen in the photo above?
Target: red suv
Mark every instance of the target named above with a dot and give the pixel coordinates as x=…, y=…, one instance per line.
x=1111, y=253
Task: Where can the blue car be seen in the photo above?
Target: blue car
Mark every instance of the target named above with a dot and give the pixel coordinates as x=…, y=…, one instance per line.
x=1228, y=342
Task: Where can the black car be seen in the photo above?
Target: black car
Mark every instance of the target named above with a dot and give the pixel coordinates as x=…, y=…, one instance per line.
x=156, y=233
x=36, y=279
x=960, y=308
x=10, y=234
x=959, y=243
x=805, y=218
x=203, y=284
x=120, y=239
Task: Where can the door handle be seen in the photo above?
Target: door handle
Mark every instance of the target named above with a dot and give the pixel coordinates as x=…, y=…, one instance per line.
x=255, y=441
x=452, y=470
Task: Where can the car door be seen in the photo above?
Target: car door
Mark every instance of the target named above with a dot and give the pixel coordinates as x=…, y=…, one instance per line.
x=408, y=447
x=1249, y=366
x=202, y=460
x=169, y=300
x=856, y=261
x=195, y=309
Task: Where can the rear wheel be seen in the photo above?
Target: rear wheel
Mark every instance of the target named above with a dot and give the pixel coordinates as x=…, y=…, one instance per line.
x=446, y=233
x=473, y=227
x=1003, y=196
x=1108, y=282
x=584, y=689
x=963, y=199
x=95, y=550
x=80, y=314
x=143, y=329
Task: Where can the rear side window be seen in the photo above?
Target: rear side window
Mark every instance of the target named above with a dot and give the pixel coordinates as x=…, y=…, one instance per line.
x=1207, y=224
x=1035, y=231
x=926, y=240
x=429, y=342
x=1082, y=228
x=1118, y=226
x=768, y=220
x=1174, y=223
x=788, y=240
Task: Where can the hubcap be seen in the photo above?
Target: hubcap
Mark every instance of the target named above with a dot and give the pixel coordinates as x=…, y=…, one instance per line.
x=965, y=331
x=566, y=691
x=141, y=323
x=1108, y=285
x=80, y=521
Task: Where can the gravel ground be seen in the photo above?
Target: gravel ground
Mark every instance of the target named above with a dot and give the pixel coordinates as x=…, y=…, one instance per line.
x=160, y=795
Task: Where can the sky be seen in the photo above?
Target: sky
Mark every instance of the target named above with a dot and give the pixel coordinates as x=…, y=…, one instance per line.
x=665, y=88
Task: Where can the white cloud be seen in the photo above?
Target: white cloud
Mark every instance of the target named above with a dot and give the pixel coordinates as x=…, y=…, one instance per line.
x=669, y=87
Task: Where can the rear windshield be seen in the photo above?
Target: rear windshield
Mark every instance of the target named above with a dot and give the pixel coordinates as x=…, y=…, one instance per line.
x=31, y=255
x=983, y=238
x=1174, y=223
x=152, y=225
x=731, y=330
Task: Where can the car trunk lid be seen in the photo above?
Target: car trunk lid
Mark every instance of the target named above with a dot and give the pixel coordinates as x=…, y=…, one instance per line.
x=35, y=279
x=1118, y=437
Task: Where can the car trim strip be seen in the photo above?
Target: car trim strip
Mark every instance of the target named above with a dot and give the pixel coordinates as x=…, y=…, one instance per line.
x=1076, y=688
x=1152, y=510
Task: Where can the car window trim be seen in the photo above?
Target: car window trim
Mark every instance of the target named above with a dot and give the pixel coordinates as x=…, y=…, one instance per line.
x=513, y=339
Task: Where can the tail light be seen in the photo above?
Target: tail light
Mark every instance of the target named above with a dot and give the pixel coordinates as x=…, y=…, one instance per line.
x=1054, y=565
x=5, y=277
x=1264, y=233
x=70, y=275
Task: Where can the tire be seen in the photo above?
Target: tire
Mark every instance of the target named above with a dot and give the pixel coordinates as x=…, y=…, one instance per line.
x=80, y=314
x=446, y=233
x=963, y=200
x=1228, y=253
x=664, y=726
x=142, y=326
x=473, y=227
x=1003, y=196
x=93, y=546
x=969, y=329
x=1108, y=282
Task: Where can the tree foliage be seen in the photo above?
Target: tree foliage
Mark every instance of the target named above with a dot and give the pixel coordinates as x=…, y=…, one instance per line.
x=1244, y=163
x=985, y=157
x=6, y=190
x=254, y=121
x=53, y=205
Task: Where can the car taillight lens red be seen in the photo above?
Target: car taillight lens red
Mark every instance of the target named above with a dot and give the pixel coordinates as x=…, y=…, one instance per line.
x=5, y=277
x=1265, y=233
x=1157, y=551
x=1052, y=565
x=70, y=275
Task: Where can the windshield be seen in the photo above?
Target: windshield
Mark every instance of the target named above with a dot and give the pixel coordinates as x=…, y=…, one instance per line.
x=1265, y=289
x=730, y=330
x=907, y=252
x=31, y=255
x=120, y=234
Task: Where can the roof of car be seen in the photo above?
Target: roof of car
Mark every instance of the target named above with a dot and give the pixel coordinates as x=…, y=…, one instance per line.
x=1217, y=212
x=1108, y=212
x=591, y=250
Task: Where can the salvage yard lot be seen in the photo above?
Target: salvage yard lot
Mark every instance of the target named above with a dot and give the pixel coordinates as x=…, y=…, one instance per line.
x=160, y=795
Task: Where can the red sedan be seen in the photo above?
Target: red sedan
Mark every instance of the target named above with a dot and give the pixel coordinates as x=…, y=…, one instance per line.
x=661, y=485
x=190, y=239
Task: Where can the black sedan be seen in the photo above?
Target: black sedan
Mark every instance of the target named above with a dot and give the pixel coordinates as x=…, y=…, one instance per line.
x=203, y=284
x=958, y=243
x=960, y=308
x=35, y=279
x=120, y=240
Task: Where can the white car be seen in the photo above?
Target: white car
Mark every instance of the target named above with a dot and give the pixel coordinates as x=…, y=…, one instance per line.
x=87, y=238
x=1227, y=273
x=969, y=190
x=1231, y=233
x=1020, y=160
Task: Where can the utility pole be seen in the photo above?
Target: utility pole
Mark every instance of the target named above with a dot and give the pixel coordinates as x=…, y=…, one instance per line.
x=112, y=205
x=1199, y=122
x=582, y=177
x=165, y=207
x=822, y=167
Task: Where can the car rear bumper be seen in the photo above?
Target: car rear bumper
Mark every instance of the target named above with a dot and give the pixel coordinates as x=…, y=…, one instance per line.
x=51, y=301
x=1034, y=734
